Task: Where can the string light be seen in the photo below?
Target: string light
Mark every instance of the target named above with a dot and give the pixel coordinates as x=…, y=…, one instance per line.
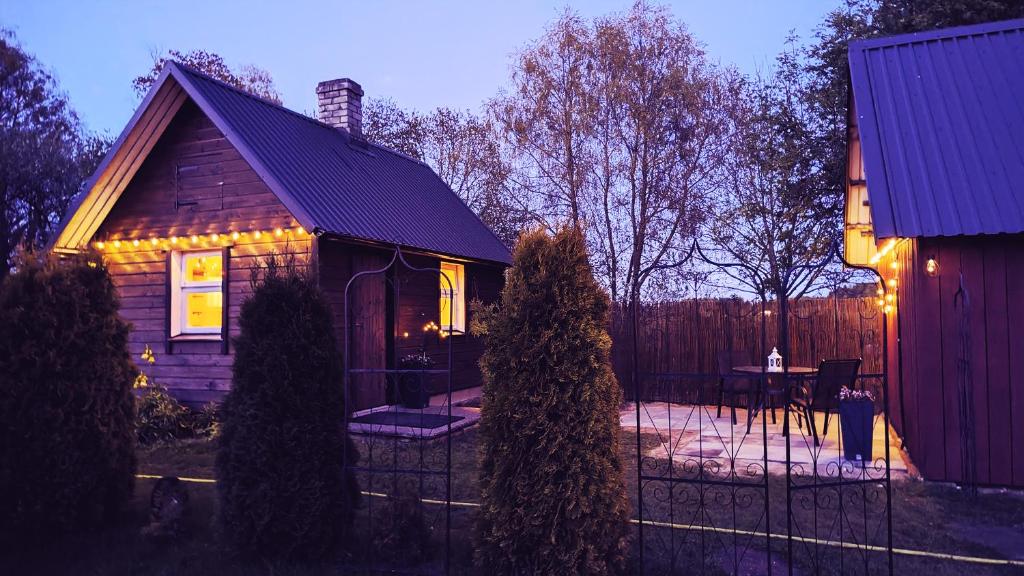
x=885, y=250
x=196, y=239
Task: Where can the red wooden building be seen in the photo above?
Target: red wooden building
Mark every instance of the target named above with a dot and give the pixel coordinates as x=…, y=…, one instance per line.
x=206, y=180
x=935, y=200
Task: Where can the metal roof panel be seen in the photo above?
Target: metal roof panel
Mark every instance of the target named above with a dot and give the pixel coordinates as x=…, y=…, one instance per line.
x=941, y=117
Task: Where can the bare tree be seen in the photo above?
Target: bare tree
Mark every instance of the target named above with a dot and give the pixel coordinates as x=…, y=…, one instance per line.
x=772, y=215
x=252, y=79
x=617, y=126
x=662, y=121
x=546, y=123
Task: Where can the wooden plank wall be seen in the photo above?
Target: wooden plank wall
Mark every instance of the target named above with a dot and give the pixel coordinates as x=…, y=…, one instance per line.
x=992, y=272
x=417, y=304
x=194, y=162
x=686, y=336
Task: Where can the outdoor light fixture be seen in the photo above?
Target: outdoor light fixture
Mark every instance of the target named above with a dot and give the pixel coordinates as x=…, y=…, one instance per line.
x=931, y=267
x=225, y=237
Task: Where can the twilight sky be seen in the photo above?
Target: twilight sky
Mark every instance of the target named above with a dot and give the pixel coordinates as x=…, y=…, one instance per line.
x=422, y=54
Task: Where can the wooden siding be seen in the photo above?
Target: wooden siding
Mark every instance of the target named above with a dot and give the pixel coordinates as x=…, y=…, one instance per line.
x=410, y=299
x=924, y=357
x=193, y=182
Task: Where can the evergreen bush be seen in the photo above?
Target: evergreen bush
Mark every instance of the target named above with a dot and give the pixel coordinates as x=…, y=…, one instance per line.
x=553, y=499
x=280, y=475
x=67, y=437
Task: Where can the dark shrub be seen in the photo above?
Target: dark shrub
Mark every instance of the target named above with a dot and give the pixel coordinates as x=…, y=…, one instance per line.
x=280, y=473
x=161, y=418
x=67, y=437
x=553, y=499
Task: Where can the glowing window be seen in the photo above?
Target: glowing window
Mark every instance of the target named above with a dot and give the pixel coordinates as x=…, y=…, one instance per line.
x=196, y=292
x=453, y=298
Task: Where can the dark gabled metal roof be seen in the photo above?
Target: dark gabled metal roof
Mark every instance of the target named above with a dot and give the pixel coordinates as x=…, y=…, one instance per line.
x=344, y=187
x=941, y=120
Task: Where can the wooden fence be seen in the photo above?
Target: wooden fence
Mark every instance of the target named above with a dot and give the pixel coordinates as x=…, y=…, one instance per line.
x=685, y=337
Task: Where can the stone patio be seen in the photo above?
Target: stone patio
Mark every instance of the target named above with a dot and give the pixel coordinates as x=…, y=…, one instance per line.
x=693, y=434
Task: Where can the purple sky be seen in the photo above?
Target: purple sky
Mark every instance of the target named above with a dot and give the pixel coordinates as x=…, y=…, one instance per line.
x=421, y=54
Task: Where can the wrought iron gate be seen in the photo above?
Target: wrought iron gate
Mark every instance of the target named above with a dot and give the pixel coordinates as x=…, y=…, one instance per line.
x=764, y=491
x=403, y=456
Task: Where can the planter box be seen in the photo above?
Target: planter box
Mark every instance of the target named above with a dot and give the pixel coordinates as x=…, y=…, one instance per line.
x=414, y=390
x=856, y=420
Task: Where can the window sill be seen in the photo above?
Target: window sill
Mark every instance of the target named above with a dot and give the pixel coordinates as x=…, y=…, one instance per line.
x=197, y=338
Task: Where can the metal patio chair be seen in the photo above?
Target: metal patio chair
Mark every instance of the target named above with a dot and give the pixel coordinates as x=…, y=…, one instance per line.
x=732, y=384
x=823, y=395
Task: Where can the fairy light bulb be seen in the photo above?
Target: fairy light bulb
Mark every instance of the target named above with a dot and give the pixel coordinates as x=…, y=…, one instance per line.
x=881, y=302
x=888, y=309
x=154, y=241
x=135, y=242
x=214, y=237
x=300, y=231
x=117, y=243
x=235, y=235
x=100, y=245
x=894, y=265
x=194, y=239
x=278, y=232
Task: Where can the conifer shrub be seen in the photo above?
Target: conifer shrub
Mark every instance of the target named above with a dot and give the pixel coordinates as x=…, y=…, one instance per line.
x=553, y=499
x=280, y=474
x=67, y=437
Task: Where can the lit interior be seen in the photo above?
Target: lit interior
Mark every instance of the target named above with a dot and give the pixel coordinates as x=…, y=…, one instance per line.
x=203, y=310
x=452, y=292
x=202, y=268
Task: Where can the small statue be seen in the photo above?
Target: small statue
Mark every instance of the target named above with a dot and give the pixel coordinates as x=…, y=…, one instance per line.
x=166, y=507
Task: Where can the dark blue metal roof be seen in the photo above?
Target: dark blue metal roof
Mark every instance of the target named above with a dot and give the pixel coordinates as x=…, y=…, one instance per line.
x=341, y=186
x=941, y=120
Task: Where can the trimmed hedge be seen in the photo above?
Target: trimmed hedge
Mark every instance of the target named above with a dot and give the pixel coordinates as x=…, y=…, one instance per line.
x=553, y=498
x=282, y=485
x=67, y=436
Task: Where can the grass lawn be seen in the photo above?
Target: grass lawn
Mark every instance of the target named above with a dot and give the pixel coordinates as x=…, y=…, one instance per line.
x=925, y=517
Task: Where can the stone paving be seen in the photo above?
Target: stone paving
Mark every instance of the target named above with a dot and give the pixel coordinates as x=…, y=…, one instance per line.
x=694, y=435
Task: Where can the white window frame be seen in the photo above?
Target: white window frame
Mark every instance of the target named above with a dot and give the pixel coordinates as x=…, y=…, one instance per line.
x=457, y=299
x=180, y=288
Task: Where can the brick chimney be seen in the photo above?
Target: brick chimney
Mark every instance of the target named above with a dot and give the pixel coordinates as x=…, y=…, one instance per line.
x=341, y=104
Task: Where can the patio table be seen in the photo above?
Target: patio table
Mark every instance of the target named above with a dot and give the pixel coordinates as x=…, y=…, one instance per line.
x=791, y=373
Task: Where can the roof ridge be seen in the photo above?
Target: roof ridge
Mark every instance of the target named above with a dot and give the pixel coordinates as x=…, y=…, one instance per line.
x=283, y=108
x=963, y=31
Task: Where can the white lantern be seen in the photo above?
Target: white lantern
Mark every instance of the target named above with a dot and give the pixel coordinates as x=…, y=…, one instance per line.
x=775, y=361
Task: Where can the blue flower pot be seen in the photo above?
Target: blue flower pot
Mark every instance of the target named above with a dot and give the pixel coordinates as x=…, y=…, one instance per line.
x=856, y=420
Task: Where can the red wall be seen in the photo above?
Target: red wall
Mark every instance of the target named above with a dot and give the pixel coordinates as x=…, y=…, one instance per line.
x=925, y=356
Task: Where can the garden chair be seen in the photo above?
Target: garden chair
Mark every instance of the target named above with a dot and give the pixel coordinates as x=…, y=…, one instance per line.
x=823, y=395
x=732, y=384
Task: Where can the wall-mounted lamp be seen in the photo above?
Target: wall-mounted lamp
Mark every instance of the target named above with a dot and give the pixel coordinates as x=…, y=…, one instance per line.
x=931, y=267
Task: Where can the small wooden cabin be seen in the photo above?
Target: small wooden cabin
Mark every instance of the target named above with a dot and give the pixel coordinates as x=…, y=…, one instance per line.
x=935, y=201
x=206, y=180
